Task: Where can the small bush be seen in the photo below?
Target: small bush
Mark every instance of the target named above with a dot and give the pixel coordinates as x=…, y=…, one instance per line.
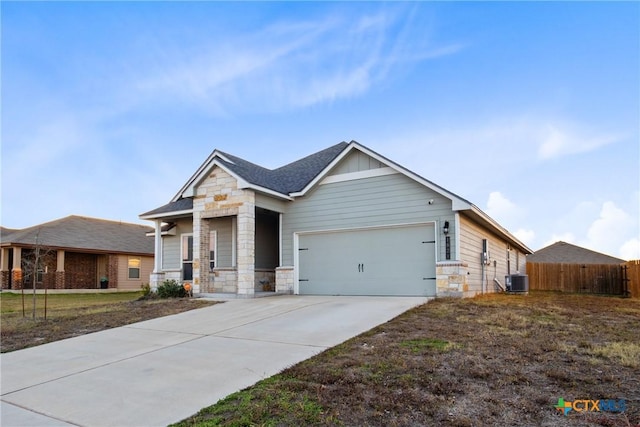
x=146, y=290
x=171, y=289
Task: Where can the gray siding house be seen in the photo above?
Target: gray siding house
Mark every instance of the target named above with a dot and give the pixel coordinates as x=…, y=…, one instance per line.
x=343, y=221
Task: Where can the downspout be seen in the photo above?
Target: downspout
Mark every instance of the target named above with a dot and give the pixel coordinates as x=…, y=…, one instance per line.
x=495, y=276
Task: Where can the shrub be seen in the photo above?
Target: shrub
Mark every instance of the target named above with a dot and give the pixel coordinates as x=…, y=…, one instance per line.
x=146, y=290
x=171, y=289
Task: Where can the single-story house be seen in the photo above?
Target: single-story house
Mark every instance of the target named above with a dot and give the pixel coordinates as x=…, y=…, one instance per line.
x=565, y=267
x=342, y=221
x=563, y=252
x=76, y=253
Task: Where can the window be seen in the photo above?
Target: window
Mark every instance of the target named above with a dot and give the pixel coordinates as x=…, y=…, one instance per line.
x=134, y=267
x=213, y=245
x=187, y=257
x=40, y=275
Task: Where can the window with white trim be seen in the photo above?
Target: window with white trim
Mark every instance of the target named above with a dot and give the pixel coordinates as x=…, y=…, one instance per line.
x=187, y=257
x=213, y=249
x=134, y=267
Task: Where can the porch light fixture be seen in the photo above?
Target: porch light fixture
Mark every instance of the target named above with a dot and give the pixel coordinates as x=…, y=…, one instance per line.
x=445, y=229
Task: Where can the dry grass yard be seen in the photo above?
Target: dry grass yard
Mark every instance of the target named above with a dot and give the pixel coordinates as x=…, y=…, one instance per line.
x=70, y=315
x=495, y=360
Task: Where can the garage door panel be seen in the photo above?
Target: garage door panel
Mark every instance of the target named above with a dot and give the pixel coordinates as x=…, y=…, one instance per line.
x=385, y=261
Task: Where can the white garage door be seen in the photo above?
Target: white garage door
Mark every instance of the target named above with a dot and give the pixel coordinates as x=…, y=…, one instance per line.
x=381, y=261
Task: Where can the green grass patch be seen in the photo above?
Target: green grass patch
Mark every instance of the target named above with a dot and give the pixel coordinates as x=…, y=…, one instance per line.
x=271, y=402
x=12, y=302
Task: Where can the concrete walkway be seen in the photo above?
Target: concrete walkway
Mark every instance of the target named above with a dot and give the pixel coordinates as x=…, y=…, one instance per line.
x=161, y=371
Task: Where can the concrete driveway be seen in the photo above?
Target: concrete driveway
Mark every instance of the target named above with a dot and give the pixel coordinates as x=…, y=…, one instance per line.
x=161, y=371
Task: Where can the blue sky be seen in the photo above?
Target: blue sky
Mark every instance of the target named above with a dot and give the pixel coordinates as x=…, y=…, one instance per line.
x=529, y=110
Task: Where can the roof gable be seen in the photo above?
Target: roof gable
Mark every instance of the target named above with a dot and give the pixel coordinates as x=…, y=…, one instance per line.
x=77, y=232
x=280, y=182
x=566, y=253
x=297, y=178
x=458, y=202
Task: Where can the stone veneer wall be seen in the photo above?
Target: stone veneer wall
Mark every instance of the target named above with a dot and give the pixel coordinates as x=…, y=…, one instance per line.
x=451, y=278
x=219, y=196
x=284, y=280
x=223, y=280
x=265, y=280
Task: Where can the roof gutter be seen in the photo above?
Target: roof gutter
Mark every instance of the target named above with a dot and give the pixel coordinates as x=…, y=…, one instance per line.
x=167, y=214
x=503, y=231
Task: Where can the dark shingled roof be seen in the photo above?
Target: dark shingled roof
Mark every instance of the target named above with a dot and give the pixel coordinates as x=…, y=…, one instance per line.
x=177, y=206
x=562, y=252
x=77, y=232
x=287, y=179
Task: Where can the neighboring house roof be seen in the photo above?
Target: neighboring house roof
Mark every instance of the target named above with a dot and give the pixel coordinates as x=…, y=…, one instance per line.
x=295, y=179
x=562, y=252
x=82, y=233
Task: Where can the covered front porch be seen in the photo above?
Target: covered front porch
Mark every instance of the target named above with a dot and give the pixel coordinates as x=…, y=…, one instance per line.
x=228, y=251
x=43, y=268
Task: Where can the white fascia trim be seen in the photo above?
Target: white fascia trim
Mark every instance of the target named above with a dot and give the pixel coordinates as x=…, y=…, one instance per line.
x=324, y=172
x=171, y=232
x=505, y=233
x=168, y=214
x=195, y=176
x=242, y=184
x=189, y=190
x=457, y=202
x=352, y=176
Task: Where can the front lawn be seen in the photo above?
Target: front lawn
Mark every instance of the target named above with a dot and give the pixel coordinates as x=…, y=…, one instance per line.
x=496, y=360
x=74, y=314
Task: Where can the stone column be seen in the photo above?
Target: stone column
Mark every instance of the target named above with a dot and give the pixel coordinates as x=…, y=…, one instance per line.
x=4, y=268
x=16, y=271
x=246, y=235
x=203, y=250
x=60, y=274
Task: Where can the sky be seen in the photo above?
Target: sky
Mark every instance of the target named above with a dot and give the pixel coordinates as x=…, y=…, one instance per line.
x=529, y=110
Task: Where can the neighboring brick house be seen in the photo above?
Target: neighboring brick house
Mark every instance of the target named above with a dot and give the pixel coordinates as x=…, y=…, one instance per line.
x=76, y=253
x=342, y=221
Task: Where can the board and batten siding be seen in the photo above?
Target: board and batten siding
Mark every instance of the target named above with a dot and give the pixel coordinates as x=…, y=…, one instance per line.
x=171, y=245
x=471, y=236
x=368, y=202
x=356, y=161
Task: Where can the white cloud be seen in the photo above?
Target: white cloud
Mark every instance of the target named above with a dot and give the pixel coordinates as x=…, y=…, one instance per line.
x=525, y=236
x=289, y=64
x=501, y=208
x=630, y=250
x=558, y=140
x=608, y=232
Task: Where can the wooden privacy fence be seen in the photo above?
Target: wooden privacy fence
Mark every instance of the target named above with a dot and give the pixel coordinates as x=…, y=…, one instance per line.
x=633, y=278
x=586, y=278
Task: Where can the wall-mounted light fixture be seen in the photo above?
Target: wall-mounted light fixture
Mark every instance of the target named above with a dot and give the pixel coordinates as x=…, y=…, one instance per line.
x=445, y=229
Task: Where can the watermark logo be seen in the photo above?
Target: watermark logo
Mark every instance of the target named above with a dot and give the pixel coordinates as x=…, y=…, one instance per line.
x=588, y=405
